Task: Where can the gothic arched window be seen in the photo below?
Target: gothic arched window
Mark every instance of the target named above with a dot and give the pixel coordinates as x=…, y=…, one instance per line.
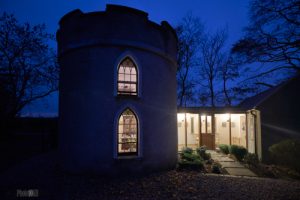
x=127, y=77
x=127, y=133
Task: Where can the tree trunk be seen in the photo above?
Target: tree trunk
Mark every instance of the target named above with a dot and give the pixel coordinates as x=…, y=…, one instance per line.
x=226, y=93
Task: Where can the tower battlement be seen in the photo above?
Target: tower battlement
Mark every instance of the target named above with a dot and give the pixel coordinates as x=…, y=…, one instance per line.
x=118, y=26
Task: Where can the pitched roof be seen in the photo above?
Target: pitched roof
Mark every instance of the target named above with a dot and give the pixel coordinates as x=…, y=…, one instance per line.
x=211, y=109
x=256, y=100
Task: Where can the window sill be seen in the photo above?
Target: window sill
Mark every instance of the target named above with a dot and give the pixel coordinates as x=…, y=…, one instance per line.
x=125, y=96
x=128, y=157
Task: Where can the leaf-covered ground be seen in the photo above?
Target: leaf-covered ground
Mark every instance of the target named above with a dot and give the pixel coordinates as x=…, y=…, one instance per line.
x=39, y=173
x=184, y=185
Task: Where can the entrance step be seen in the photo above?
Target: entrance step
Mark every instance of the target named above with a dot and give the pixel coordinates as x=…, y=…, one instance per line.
x=224, y=159
x=240, y=172
x=231, y=165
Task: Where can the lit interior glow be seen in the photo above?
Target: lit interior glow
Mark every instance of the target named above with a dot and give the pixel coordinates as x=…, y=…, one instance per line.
x=180, y=117
x=127, y=78
x=127, y=133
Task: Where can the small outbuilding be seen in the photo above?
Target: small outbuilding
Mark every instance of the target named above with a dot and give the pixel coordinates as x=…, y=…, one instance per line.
x=117, y=104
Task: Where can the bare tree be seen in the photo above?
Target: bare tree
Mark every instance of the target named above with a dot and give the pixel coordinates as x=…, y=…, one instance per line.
x=189, y=33
x=28, y=66
x=229, y=71
x=272, y=37
x=211, y=61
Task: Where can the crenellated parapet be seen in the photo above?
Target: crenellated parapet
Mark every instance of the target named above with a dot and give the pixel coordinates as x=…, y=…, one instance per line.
x=116, y=26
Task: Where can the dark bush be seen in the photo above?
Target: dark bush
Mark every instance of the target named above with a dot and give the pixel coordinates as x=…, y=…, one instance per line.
x=251, y=159
x=189, y=160
x=238, y=151
x=187, y=150
x=190, y=156
x=202, y=153
x=215, y=168
x=286, y=153
x=224, y=148
x=190, y=165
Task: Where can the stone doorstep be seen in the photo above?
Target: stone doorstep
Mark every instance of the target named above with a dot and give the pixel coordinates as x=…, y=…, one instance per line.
x=225, y=159
x=231, y=165
x=240, y=172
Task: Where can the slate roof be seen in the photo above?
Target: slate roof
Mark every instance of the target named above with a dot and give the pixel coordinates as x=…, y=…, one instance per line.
x=256, y=100
x=211, y=109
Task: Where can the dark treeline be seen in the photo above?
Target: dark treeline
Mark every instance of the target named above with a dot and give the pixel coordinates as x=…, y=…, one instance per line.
x=210, y=74
x=35, y=125
x=28, y=67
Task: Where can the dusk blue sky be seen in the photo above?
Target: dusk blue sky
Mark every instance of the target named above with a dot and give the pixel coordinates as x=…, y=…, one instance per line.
x=215, y=14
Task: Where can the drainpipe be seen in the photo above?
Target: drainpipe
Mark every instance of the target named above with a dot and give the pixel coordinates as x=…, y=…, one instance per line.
x=246, y=126
x=185, y=129
x=254, y=115
x=229, y=128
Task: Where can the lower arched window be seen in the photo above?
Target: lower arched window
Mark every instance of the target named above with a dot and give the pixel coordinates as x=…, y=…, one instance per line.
x=127, y=133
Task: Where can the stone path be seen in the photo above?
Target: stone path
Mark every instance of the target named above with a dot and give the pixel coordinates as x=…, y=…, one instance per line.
x=231, y=166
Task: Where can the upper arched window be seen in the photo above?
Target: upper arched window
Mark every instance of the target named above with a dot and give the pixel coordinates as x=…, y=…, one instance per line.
x=127, y=133
x=127, y=77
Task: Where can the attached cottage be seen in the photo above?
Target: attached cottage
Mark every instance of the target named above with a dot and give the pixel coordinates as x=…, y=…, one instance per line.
x=207, y=126
x=257, y=123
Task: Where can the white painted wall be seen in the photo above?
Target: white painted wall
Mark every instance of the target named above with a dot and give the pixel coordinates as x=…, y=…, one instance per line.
x=192, y=130
x=180, y=130
x=192, y=133
x=238, y=129
x=222, y=128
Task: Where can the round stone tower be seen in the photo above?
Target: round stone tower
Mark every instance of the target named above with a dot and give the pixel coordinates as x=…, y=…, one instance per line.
x=117, y=104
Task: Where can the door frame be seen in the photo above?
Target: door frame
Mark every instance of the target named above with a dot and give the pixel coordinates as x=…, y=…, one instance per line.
x=201, y=142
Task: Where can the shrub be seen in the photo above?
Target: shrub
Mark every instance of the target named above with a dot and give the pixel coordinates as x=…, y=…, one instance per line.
x=286, y=153
x=215, y=168
x=251, y=159
x=187, y=150
x=202, y=153
x=190, y=156
x=190, y=160
x=190, y=165
x=224, y=148
x=238, y=151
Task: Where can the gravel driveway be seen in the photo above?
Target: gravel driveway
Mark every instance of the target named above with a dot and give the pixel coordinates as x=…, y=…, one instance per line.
x=40, y=173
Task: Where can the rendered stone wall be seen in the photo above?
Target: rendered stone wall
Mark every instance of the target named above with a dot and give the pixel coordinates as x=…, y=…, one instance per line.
x=90, y=46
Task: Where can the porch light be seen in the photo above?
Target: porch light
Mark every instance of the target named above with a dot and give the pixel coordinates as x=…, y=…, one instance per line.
x=180, y=117
x=226, y=117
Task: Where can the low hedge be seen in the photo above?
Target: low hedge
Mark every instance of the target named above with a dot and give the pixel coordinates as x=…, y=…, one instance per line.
x=238, y=151
x=224, y=148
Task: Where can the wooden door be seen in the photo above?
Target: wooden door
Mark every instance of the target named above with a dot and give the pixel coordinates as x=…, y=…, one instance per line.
x=206, y=129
